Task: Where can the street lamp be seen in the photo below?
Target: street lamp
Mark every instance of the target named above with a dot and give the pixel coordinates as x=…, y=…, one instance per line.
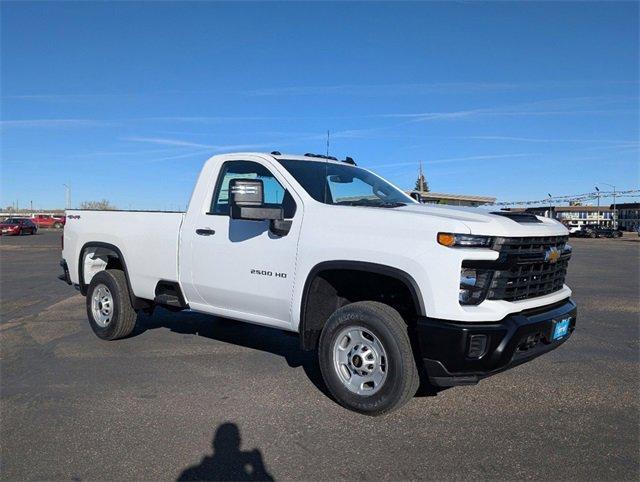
x=67, y=196
x=550, y=215
x=615, y=212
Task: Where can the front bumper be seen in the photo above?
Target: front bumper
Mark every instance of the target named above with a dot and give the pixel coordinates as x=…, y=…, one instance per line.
x=447, y=348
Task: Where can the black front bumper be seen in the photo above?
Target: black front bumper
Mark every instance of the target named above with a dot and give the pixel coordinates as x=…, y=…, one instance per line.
x=447, y=347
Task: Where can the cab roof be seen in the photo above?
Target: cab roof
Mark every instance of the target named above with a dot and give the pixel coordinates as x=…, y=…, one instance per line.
x=312, y=157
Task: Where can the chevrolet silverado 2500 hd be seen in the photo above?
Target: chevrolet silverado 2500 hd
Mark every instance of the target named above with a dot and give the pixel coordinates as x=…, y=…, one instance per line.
x=380, y=285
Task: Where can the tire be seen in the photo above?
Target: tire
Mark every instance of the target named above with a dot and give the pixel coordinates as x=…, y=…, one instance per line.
x=384, y=333
x=57, y=225
x=116, y=318
x=593, y=235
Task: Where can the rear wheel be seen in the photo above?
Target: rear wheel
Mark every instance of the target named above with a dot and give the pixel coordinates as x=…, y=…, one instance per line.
x=366, y=358
x=109, y=309
x=57, y=225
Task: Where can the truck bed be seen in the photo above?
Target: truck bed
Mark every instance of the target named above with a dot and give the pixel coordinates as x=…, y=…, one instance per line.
x=147, y=241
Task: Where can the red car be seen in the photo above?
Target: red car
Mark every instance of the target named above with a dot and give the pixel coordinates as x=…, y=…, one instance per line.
x=48, y=221
x=17, y=227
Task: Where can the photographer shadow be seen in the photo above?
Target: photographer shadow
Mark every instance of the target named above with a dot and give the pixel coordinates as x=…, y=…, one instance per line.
x=228, y=462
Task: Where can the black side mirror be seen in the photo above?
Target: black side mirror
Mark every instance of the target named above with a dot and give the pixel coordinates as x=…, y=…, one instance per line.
x=246, y=201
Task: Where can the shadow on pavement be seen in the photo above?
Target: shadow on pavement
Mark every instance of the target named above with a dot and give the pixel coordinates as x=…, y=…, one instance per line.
x=257, y=337
x=271, y=340
x=228, y=462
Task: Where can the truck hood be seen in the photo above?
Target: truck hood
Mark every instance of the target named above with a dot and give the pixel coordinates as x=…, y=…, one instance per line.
x=485, y=222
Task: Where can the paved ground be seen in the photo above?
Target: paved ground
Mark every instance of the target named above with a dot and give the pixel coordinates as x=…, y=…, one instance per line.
x=152, y=406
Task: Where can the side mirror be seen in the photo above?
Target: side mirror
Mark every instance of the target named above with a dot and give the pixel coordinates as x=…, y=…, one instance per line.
x=246, y=201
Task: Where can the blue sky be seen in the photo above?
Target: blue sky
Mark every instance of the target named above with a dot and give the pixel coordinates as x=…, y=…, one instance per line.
x=125, y=101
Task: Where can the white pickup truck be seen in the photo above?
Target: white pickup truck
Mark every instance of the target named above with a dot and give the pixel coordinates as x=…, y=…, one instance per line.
x=379, y=284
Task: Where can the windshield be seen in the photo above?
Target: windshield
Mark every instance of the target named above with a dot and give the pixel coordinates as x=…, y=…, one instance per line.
x=346, y=185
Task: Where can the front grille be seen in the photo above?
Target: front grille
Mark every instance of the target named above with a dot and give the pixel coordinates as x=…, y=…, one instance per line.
x=524, y=269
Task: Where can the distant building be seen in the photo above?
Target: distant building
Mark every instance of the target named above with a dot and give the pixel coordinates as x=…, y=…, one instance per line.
x=454, y=199
x=574, y=216
x=584, y=215
x=628, y=216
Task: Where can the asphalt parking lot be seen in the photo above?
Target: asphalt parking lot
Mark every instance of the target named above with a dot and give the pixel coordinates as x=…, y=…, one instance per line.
x=197, y=397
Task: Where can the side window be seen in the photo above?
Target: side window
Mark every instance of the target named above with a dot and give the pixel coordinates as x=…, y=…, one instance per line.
x=274, y=193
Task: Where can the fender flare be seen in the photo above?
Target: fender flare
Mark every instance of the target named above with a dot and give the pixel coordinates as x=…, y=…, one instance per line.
x=364, y=266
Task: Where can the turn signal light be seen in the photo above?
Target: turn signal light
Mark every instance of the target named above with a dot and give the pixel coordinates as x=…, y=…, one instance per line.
x=446, y=239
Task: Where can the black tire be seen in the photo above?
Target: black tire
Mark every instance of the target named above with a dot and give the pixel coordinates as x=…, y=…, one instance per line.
x=123, y=316
x=57, y=225
x=402, y=378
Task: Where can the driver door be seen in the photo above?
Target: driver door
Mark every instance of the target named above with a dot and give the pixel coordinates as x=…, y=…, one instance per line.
x=239, y=268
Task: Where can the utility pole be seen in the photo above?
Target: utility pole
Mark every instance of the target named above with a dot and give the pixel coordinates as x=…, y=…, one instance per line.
x=598, y=213
x=67, y=196
x=421, y=177
x=31, y=208
x=615, y=212
x=550, y=215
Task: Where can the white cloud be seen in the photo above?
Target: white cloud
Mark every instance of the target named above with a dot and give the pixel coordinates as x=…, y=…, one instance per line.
x=28, y=123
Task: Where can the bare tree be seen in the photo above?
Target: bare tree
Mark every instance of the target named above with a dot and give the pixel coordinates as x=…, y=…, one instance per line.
x=102, y=205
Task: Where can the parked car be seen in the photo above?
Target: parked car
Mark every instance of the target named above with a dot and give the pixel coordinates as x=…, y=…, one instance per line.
x=598, y=232
x=573, y=230
x=48, y=221
x=377, y=284
x=17, y=227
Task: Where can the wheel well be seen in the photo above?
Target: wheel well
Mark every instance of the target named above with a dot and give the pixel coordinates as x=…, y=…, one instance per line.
x=328, y=289
x=96, y=257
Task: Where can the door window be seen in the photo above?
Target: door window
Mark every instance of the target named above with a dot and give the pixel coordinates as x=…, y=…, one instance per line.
x=275, y=195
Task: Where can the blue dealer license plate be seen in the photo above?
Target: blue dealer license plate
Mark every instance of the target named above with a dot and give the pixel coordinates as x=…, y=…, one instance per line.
x=561, y=328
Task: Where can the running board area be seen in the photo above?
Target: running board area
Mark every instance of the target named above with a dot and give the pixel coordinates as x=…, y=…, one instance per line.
x=168, y=293
x=165, y=299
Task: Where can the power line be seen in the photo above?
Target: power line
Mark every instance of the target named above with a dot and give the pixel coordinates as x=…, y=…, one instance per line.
x=630, y=193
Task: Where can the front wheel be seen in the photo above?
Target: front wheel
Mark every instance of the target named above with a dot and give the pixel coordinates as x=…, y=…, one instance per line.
x=366, y=359
x=109, y=309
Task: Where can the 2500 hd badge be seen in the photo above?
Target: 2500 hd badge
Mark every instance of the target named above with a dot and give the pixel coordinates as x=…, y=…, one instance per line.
x=263, y=272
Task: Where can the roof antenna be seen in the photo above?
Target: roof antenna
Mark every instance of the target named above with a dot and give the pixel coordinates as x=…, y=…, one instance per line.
x=327, y=142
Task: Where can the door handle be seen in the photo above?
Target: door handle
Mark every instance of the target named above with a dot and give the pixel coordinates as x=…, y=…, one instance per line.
x=205, y=232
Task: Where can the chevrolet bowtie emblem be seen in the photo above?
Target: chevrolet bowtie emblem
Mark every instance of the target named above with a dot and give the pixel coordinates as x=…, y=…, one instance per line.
x=552, y=255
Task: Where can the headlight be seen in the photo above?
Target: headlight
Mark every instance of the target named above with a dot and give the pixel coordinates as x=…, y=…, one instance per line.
x=464, y=240
x=473, y=285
